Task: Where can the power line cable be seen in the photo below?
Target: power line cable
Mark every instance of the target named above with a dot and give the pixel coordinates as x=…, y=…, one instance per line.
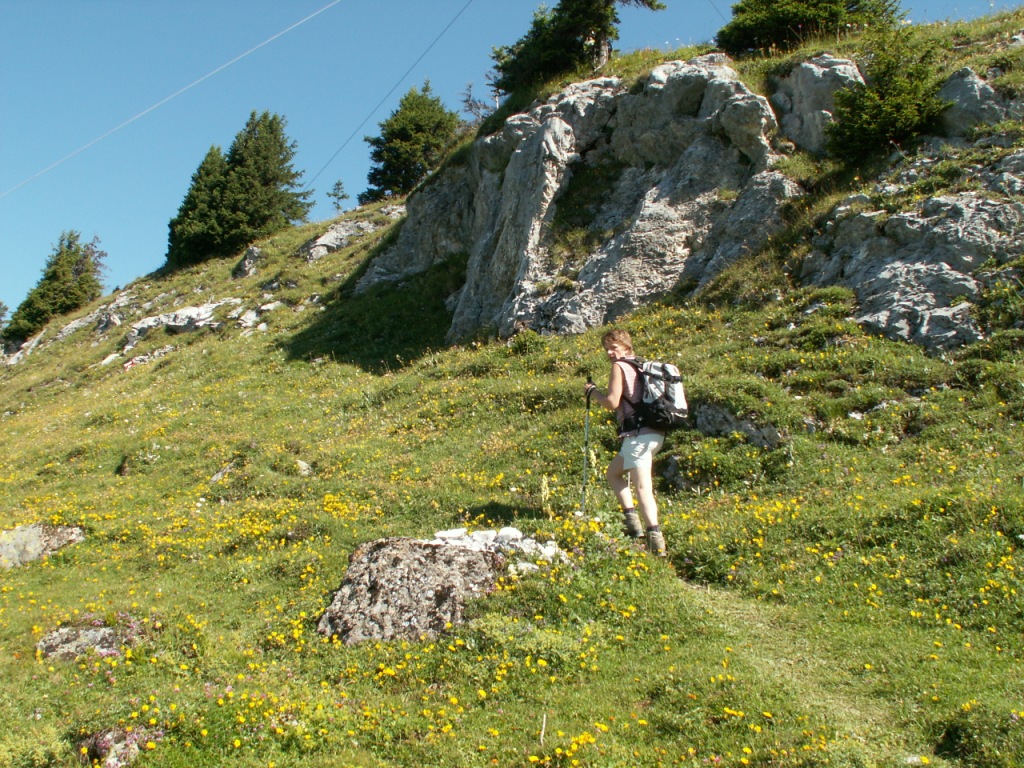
x=388, y=94
x=163, y=101
x=719, y=12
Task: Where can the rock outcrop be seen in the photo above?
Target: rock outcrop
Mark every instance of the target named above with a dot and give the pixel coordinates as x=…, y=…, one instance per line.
x=691, y=190
x=183, y=320
x=337, y=236
x=915, y=271
x=92, y=635
x=805, y=98
x=607, y=196
x=115, y=747
x=716, y=421
x=687, y=161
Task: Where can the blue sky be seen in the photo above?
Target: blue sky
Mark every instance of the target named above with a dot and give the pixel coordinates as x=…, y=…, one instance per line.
x=107, y=107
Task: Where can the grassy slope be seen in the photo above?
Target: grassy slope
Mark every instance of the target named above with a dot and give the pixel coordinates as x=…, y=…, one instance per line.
x=850, y=599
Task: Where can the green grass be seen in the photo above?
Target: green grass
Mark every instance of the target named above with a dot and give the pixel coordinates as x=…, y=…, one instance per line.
x=851, y=598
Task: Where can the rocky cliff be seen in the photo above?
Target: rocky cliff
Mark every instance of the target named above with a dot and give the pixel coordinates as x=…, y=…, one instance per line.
x=681, y=179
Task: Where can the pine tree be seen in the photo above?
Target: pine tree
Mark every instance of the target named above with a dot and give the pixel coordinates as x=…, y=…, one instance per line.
x=412, y=142
x=575, y=33
x=249, y=193
x=71, y=279
x=260, y=195
x=338, y=195
x=196, y=233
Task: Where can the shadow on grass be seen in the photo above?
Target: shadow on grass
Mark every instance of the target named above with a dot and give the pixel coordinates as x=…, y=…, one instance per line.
x=387, y=326
x=496, y=513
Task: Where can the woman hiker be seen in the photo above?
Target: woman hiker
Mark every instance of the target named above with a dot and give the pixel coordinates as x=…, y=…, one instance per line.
x=635, y=460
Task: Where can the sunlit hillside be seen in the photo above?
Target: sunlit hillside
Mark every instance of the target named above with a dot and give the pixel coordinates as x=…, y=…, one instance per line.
x=852, y=598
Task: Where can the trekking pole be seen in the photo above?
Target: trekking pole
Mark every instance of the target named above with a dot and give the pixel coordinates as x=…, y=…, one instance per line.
x=586, y=448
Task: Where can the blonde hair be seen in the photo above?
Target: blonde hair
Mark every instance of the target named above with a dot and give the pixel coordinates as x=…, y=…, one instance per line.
x=617, y=336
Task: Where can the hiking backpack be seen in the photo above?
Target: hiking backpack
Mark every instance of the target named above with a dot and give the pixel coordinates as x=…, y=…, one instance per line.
x=663, y=402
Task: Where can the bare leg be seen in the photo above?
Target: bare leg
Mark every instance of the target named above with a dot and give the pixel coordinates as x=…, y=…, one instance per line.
x=644, y=484
x=618, y=479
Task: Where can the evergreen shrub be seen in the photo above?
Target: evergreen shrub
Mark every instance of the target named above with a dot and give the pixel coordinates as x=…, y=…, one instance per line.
x=898, y=102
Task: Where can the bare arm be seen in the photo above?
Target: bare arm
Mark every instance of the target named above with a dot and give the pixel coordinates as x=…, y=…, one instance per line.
x=616, y=386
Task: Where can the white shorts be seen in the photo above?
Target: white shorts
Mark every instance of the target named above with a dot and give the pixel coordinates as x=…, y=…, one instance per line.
x=638, y=450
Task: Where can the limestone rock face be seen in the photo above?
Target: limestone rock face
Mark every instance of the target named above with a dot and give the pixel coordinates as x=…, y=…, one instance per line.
x=406, y=588
x=805, y=98
x=913, y=271
x=670, y=147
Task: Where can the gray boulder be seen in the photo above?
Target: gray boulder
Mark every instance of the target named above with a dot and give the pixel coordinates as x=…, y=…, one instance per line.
x=246, y=267
x=406, y=588
x=70, y=643
x=973, y=102
x=31, y=542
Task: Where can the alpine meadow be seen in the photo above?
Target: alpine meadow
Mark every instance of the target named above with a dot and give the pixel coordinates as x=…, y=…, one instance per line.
x=846, y=592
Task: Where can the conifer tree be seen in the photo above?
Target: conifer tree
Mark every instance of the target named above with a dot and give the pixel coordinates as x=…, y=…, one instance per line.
x=338, y=195
x=71, y=279
x=260, y=195
x=412, y=142
x=574, y=33
x=898, y=101
x=196, y=233
x=249, y=193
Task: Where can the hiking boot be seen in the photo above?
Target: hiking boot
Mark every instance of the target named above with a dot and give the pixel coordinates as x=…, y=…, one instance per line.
x=656, y=543
x=631, y=524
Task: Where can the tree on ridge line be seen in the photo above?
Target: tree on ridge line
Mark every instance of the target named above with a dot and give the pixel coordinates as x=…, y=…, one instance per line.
x=572, y=34
x=238, y=197
x=71, y=279
x=412, y=142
